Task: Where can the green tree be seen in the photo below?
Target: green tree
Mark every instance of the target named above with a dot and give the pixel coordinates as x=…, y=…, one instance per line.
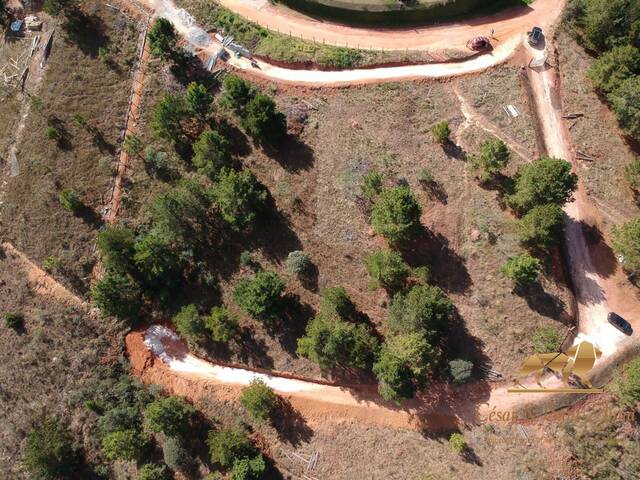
x=545, y=340
x=189, y=324
x=199, y=100
x=423, y=308
x=611, y=68
x=396, y=214
x=625, y=102
x=395, y=380
x=162, y=38
x=158, y=260
x=221, y=324
x=460, y=370
x=263, y=121
x=297, y=262
x=249, y=468
x=133, y=144
x=372, y=184
x=153, y=471
x=626, y=242
x=261, y=295
x=49, y=453
x=118, y=294
x=14, y=321
x=260, y=400
x=174, y=454
x=457, y=443
x=236, y=93
x=239, y=198
x=211, y=153
x=228, y=445
x=329, y=341
x=541, y=225
x=441, y=132
x=169, y=415
x=626, y=384
x=547, y=180
x=493, y=157
x=386, y=269
x=116, y=245
x=522, y=269
x=336, y=301
x=124, y=445
x=57, y=7
x=119, y=418
x=607, y=23
x=632, y=174
x=167, y=116
x=69, y=200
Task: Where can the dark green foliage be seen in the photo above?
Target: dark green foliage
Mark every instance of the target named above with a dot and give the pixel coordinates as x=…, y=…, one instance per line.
x=124, y=445
x=121, y=417
x=118, y=294
x=457, y=443
x=211, y=153
x=545, y=181
x=221, y=324
x=237, y=93
x=611, y=68
x=395, y=381
x=162, y=38
x=396, y=214
x=199, y=100
x=133, y=144
x=632, y=174
x=260, y=295
x=336, y=301
x=52, y=133
x=460, y=370
x=546, y=340
x=625, y=102
x=49, y=453
x=603, y=24
x=423, y=309
x=169, y=415
x=167, y=115
x=69, y=200
x=14, y=321
x=249, y=468
x=298, y=262
x=116, y=245
x=259, y=400
x=492, y=158
x=441, y=132
x=158, y=260
x=189, y=324
x=626, y=242
x=263, y=121
x=229, y=445
x=157, y=161
x=386, y=269
x=541, y=225
x=174, y=454
x=522, y=269
x=239, y=198
x=57, y=7
x=626, y=384
x=181, y=211
x=4, y=13
x=329, y=341
x=153, y=471
x=372, y=184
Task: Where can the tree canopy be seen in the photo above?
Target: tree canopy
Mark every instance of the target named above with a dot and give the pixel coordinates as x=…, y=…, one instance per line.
x=162, y=38
x=169, y=415
x=396, y=214
x=229, y=445
x=167, y=116
x=260, y=400
x=239, y=198
x=424, y=308
x=626, y=242
x=260, y=295
x=522, y=269
x=236, y=93
x=263, y=121
x=198, y=100
x=626, y=384
x=118, y=294
x=221, y=324
x=211, y=153
x=625, y=102
x=541, y=225
x=492, y=158
x=116, y=245
x=189, y=324
x=49, y=453
x=387, y=269
x=611, y=68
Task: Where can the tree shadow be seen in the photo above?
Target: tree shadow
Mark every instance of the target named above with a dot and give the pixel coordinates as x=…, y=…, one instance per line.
x=291, y=426
x=253, y=351
x=309, y=278
x=435, y=191
x=63, y=140
x=276, y=239
x=85, y=31
x=187, y=68
x=101, y=143
x=470, y=456
x=447, y=267
x=237, y=139
x=292, y=323
x=292, y=154
x=451, y=149
x=544, y=303
x=602, y=257
x=89, y=216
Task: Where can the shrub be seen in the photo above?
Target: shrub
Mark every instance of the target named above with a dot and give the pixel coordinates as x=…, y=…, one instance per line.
x=336, y=301
x=49, y=453
x=396, y=214
x=211, y=153
x=423, y=308
x=262, y=120
x=386, y=269
x=493, y=157
x=457, y=443
x=611, y=68
x=52, y=133
x=153, y=471
x=395, y=380
x=69, y=200
x=425, y=177
x=545, y=340
x=236, y=93
x=119, y=418
x=133, y=144
x=298, y=262
x=372, y=184
x=259, y=400
x=626, y=242
x=260, y=295
x=52, y=264
x=246, y=259
x=169, y=415
x=221, y=324
x=174, y=454
x=119, y=295
x=198, y=99
x=162, y=38
x=124, y=445
x=441, y=132
x=116, y=245
x=460, y=370
x=239, y=198
x=626, y=384
x=632, y=174
x=545, y=181
x=422, y=274
x=157, y=161
x=625, y=103
x=14, y=321
x=167, y=116
x=189, y=324
x=228, y=445
x=541, y=225
x=522, y=269
x=248, y=468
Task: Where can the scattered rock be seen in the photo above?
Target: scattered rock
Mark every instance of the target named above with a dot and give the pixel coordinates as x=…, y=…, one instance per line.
x=475, y=235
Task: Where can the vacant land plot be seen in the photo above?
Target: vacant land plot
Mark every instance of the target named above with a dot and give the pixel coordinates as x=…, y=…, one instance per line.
x=597, y=135
x=84, y=100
